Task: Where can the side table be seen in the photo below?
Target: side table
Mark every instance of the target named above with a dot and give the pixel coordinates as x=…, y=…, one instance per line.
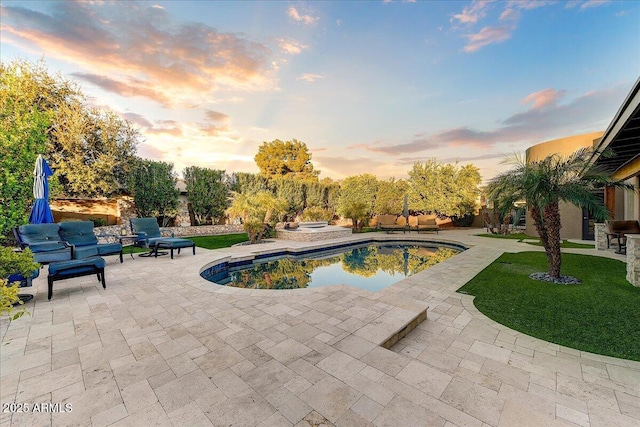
x=133, y=238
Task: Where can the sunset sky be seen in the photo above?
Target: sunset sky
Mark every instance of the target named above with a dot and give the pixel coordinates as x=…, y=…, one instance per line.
x=368, y=86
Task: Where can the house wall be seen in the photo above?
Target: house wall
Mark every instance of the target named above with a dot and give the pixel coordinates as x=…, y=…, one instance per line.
x=571, y=215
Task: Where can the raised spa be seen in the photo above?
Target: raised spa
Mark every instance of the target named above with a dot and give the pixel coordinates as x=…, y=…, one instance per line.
x=370, y=266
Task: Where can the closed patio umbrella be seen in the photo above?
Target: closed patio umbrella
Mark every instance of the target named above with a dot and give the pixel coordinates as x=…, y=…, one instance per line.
x=405, y=209
x=41, y=212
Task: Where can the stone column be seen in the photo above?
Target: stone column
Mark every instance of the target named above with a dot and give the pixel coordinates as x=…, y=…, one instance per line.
x=601, y=236
x=633, y=259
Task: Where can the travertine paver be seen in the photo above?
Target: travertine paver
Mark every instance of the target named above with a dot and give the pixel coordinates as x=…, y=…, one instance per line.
x=161, y=346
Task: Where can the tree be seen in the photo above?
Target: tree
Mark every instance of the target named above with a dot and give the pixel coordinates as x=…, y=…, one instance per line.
x=357, y=199
x=153, y=186
x=444, y=189
x=390, y=196
x=289, y=159
x=207, y=192
x=543, y=184
x=291, y=190
x=92, y=151
x=245, y=182
x=258, y=212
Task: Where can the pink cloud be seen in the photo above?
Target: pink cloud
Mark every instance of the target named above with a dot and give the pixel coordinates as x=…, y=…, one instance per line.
x=140, y=48
x=487, y=36
x=216, y=116
x=472, y=13
x=310, y=78
x=546, y=119
x=291, y=47
x=298, y=17
x=544, y=98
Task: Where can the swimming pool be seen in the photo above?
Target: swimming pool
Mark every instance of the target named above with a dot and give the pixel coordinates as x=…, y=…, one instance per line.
x=370, y=266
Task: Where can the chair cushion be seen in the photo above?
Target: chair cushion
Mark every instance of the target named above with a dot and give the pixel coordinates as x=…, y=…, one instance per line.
x=52, y=256
x=109, y=248
x=145, y=225
x=174, y=243
x=81, y=252
x=76, y=266
x=46, y=247
x=78, y=233
x=39, y=233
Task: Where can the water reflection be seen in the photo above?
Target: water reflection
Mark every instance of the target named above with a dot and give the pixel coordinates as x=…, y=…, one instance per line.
x=395, y=262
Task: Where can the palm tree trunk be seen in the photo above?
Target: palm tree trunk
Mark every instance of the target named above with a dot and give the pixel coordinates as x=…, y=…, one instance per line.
x=548, y=228
x=552, y=225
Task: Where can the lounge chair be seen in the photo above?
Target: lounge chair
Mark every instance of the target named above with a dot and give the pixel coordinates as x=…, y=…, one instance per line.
x=150, y=237
x=44, y=241
x=85, y=243
x=427, y=223
x=389, y=223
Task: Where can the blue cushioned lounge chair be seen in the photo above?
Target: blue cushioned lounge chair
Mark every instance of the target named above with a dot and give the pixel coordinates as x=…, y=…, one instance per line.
x=85, y=243
x=44, y=241
x=150, y=236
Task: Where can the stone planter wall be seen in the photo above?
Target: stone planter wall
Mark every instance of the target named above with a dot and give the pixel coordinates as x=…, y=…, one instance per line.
x=110, y=233
x=633, y=259
x=600, y=236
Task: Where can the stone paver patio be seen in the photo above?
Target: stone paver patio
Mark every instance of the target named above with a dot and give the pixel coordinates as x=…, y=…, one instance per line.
x=162, y=346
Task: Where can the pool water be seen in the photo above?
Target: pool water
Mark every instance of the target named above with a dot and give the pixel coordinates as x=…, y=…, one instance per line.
x=371, y=267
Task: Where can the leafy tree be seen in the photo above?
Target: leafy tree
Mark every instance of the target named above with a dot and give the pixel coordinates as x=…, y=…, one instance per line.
x=390, y=196
x=357, y=199
x=244, y=182
x=207, y=192
x=445, y=189
x=153, y=186
x=543, y=184
x=258, y=212
x=92, y=151
x=289, y=159
x=291, y=190
x=25, y=117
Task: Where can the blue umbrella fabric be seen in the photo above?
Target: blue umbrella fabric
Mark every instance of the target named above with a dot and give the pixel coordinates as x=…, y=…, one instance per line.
x=41, y=212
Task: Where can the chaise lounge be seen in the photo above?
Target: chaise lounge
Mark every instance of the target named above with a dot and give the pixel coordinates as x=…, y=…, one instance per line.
x=85, y=243
x=391, y=223
x=44, y=241
x=427, y=223
x=150, y=237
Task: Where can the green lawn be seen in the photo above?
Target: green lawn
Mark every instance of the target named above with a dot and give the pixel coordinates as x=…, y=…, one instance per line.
x=601, y=315
x=208, y=242
x=521, y=236
x=219, y=241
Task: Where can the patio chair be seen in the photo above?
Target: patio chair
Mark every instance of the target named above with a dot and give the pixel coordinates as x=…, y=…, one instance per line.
x=150, y=236
x=85, y=243
x=428, y=223
x=44, y=241
x=389, y=223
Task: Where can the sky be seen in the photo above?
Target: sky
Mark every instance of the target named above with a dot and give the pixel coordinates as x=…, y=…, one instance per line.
x=368, y=86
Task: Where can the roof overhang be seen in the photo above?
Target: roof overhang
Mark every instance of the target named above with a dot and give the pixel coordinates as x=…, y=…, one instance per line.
x=622, y=138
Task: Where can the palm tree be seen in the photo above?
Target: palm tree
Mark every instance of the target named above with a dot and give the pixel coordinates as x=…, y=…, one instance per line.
x=543, y=184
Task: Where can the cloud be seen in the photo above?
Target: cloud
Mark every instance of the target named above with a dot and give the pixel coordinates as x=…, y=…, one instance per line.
x=586, y=4
x=472, y=13
x=492, y=34
x=545, y=119
x=310, y=78
x=130, y=87
x=487, y=36
x=215, y=116
x=141, y=49
x=544, y=98
x=291, y=47
x=165, y=127
x=137, y=119
x=305, y=19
